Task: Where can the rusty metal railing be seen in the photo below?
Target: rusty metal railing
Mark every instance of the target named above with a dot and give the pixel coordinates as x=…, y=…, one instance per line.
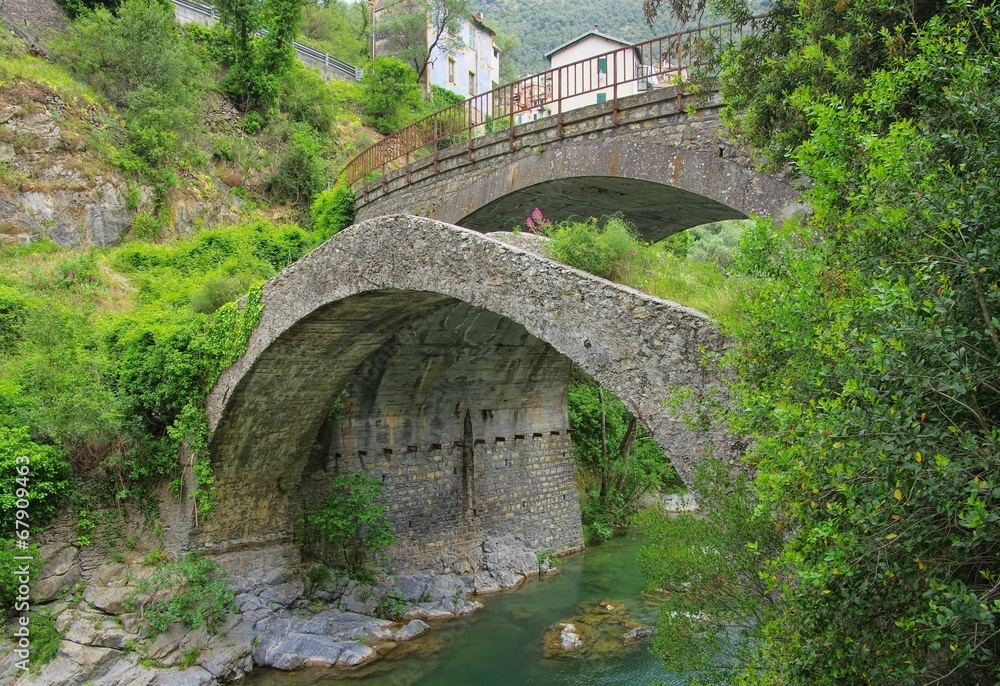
x=666, y=61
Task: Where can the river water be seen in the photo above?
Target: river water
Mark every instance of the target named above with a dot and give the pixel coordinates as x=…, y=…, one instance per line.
x=501, y=644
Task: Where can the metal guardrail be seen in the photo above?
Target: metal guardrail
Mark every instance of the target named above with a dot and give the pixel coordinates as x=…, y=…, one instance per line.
x=664, y=61
x=306, y=54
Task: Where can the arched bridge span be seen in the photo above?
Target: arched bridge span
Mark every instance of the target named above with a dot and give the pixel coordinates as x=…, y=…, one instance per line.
x=456, y=349
x=658, y=158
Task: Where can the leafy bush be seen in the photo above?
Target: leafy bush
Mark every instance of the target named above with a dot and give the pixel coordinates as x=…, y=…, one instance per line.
x=352, y=520
x=333, y=210
x=300, y=174
x=715, y=242
x=710, y=567
x=391, y=606
x=611, y=250
x=13, y=312
x=140, y=62
x=307, y=98
x=38, y=474
x=252, y=123
x=75, y=7
x=617, y=461
x=192, y=590
x=391, y=94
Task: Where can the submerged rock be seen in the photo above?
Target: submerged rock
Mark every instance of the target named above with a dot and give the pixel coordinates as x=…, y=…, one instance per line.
x=599, y=630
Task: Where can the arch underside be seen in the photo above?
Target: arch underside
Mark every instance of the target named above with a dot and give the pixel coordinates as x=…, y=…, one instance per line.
x=443, y=337
x=655, y=209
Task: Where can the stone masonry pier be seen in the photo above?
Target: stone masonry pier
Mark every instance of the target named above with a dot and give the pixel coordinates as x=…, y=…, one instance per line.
x=455, y=349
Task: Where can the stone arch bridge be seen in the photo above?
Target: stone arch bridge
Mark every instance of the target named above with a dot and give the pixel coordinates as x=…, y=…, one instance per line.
x=456, y=350
x=659, y=158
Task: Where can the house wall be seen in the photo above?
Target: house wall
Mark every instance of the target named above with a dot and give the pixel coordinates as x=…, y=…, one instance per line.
x=587, y=76
x=479, y=59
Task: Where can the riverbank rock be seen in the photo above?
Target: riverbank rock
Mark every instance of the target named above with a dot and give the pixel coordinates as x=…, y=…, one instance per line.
x=599, y=629
x=328, y=638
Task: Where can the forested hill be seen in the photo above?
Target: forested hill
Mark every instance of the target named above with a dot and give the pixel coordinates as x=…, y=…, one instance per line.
x=544, y=24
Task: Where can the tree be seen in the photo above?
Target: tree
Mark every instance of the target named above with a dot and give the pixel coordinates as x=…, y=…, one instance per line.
x=617, y=460
x=414, y=29
x=337, y=28
x=866, y=361
x=260, y=52
x=391, y=90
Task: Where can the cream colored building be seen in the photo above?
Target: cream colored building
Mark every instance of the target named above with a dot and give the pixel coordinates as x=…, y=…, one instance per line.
x=596, y=78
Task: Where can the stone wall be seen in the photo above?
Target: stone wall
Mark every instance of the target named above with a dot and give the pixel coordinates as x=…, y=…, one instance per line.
x=462, y=416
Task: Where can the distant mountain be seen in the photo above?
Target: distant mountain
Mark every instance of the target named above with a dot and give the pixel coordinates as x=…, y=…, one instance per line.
x=542, y=25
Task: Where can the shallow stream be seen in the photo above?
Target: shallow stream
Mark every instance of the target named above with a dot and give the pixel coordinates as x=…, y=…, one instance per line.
x=501, y=644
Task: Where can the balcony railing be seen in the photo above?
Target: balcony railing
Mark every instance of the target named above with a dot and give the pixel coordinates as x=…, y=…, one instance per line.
x=666, y=61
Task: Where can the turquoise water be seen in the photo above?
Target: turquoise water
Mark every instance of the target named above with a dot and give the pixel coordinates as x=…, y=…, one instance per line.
x=501, y=644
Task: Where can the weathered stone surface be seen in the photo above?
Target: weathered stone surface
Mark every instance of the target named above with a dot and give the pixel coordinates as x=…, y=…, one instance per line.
x=92, y=629
x=664, y=168
x=192, y=676
x=111, y=599
x=128, y=672
x=76, y=664
x=293, y=651
x=438, y=325
x=167, y=643
x=282, y=594
x=62, y=569
x=639, y=632
x=414, y=628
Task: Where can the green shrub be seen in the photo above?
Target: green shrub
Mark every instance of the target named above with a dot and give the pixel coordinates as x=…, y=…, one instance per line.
x=13, y=312
x=192, y=590
x=352, y=520
x=333, y=210
x=78, y=271
x=252, y=123
x=45, y=639
x=391, y=606
x=38, y=474
x=300, y=174
x=307, y=98
x=391, y=93
x=715, y=242
x=139, y=61
x=611, y=250
x=218, y=291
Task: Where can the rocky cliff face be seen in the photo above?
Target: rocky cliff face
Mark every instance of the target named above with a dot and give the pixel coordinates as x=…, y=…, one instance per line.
x=56, y=180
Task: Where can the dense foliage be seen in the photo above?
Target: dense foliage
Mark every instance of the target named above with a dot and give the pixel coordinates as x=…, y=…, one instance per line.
x=116, y=351
x=610, y=248
x=866, y=365
x=709, y=566
x=333, y=210
x=192, y=590
x=138, y=60
x=392, y=94
x=351, y=526
x=617, y=461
